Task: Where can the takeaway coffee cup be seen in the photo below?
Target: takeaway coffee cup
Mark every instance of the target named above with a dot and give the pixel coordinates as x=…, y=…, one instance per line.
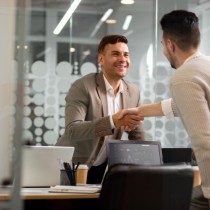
x=82, y=172
x=197, y=178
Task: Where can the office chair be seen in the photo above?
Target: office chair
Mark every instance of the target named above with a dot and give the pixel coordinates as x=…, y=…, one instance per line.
x=135, y=187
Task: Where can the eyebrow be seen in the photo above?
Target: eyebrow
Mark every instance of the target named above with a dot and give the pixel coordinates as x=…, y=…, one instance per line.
x=116, y=51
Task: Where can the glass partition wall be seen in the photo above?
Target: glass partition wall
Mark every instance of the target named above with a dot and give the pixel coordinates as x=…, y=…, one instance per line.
x=54, y=58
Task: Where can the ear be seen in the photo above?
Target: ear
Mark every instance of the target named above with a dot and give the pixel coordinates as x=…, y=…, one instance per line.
x=100, y=58
x=171, y=45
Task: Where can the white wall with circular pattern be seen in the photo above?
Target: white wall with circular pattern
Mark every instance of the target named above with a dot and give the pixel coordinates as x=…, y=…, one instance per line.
x=44, y=102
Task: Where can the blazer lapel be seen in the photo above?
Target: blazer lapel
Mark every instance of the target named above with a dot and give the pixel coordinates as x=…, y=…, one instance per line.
x=101, y=88
x=125, y=95
x=125, y=98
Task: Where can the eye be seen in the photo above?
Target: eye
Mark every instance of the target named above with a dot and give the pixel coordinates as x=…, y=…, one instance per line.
x=115, y=54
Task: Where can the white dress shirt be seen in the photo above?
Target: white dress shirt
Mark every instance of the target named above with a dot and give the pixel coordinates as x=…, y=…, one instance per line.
x=114, y=106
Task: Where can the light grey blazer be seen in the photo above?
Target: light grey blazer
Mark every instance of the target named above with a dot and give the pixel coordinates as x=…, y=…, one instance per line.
x=86, y=116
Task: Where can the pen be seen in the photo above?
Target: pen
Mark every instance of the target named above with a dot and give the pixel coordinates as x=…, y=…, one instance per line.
x=72, y=173
x=73, y=165
x=68, y=171
x=77, y=166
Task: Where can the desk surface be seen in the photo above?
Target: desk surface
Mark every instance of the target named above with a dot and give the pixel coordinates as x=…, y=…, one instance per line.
x=42, y=193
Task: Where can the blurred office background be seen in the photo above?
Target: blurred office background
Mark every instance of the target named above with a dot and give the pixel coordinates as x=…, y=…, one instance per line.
x=38, y=64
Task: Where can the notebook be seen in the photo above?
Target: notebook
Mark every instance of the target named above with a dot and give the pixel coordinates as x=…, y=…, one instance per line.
x=134, y=152
x=175, y=155
x=89, y=188
x=40, y=165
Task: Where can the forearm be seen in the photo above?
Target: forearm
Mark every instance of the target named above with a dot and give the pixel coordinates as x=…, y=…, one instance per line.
x=151, y=110
x=83, y=130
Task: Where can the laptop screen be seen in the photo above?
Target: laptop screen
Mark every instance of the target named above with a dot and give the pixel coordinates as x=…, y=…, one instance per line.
x=134, y=152
x=40, y=165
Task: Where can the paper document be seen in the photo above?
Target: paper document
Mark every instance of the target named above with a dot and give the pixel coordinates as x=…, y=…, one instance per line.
x=76, y=189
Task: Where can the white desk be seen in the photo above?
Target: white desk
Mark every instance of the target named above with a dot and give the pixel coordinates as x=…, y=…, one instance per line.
x=41, y=199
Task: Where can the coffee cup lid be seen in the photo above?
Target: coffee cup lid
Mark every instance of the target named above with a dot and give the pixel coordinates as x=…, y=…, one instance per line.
x=83, y=166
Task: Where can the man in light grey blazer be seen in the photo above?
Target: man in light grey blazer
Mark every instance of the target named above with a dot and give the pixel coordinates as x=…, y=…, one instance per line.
x=93, y=104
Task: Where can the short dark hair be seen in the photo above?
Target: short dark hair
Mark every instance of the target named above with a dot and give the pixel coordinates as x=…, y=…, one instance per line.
x=111, y=39
x=182, y=27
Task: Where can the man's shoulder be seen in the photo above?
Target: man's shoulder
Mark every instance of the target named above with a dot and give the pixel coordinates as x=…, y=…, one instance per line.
x=130, y=84
x=86, y=78
x=196, y=69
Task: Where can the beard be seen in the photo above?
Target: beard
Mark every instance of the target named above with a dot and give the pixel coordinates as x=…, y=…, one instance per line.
x=171, y=59
x=172, y=65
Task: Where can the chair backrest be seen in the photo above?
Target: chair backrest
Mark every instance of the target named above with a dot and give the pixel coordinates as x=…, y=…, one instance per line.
x=132, y=187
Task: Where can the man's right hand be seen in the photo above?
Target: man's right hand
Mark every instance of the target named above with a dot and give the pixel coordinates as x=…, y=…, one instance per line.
x=127, y=119
x=130, y=111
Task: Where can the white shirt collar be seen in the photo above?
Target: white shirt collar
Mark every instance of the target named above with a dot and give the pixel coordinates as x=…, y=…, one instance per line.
x=109, y=87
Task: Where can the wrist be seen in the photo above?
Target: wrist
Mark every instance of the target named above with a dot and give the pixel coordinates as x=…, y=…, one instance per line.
x=112, y=121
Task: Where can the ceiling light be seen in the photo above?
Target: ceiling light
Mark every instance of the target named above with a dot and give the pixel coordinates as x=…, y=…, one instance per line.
x=128, y=33
x=127, y=1
x=72, y=49
x=103, y=19
x=66, y=17
x=111, y=21
x=86, y=52
x=106, y=15
x=127, y=22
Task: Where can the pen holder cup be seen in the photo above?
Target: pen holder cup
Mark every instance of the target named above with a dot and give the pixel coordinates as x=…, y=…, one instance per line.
x=67, y=177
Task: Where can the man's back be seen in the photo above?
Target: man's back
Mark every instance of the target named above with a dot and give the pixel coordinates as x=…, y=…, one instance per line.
x=190, y=90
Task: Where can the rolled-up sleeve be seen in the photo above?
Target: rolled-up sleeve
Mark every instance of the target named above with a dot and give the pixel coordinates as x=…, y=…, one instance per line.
x=167, y=108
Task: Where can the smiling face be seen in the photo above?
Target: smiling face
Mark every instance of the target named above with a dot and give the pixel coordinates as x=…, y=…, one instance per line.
x=115, y=60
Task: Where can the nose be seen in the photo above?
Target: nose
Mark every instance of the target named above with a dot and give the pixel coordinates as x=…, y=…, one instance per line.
x=122, y=57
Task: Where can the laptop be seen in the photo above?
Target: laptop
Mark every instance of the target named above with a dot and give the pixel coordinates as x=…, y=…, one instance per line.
x=175, y=155
x=134, y=152
x=40, y=164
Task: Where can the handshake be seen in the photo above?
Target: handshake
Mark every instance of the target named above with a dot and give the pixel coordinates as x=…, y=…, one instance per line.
x=128, y=119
